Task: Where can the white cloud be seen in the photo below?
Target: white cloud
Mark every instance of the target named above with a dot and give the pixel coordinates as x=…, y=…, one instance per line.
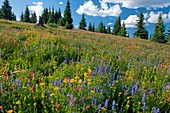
x=153, y=17
x=130, y=22
x=60, y=3
x=18, y=19
x=134, y=4
x=110, y=23
x=92, y=10
x=37, y=8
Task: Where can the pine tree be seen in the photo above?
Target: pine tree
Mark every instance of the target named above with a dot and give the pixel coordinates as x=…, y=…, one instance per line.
x=67, y=16
x=0, y=13
x=6, y=11
x=93, y=28
x=61, y=22
x=108, y=30
x=51, y=17
x=168, y=35
x=14, y=18
x=22, y=17
x=33, y=18
x=141, y=30
x=100, y=27
x=27, y=15
x=122, y=31
x=82, y=24
x=104, y=29
x=45, y=15
x=59, y=14
x=159, y=31
x=117, y=26
x=90, y=27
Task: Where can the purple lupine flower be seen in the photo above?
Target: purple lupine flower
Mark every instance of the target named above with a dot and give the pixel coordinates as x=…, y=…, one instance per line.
x=151, y=91
x=110, y=69
x=133, y=90
x=156, y=110
x=144, y=106
x=106, y=103
x=99, y=107
x=93, y=99
x=59, y=89
x=48, y=93
x=28, y=83
x=102, y=70
x=82, y=99
x=108, y=80
x=83, y=85
x=113, y=105
x=106, y=69
x=53, y=82
x=96, y=69
x=143, y=96
x=104, y=85
x=136, y=87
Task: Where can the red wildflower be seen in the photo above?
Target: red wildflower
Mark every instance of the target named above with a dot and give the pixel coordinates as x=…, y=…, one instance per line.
x=87, y=107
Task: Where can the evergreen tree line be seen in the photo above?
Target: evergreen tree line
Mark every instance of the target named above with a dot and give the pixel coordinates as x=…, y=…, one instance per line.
x=49, y=16
x=6, y=11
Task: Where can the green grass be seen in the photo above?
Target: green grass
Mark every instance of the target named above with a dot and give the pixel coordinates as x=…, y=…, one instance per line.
x=54, y=69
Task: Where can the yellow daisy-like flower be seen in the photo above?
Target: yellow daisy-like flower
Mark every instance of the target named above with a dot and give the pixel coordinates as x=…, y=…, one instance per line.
x=88, y=80
x=65, y=80
x=77, y=77
x=18, y=102
x=89, y=70
x=82, y=69
x=103, y=108
x=52, y=94
x=120, y=93
x=28, y=104
x=9, y=111
x=35, y=104
x=85, y=74
x=92, y=91
x=139, y=103
x=117, y=81
x=89, y=83
x=42, y=96
x=80, y=81
x=72, y=80
x=42, y=84
x=128, y=97
x=55, y=88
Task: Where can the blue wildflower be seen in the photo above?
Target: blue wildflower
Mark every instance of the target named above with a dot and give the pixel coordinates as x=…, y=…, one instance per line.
x=106, y=103
x=113, y=105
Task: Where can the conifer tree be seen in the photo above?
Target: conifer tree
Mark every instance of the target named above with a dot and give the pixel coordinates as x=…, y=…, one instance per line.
x=108, y=30
x=61, y=22
x=22, y=17
x=159, y=31
x=14, y=17
x=82, y=24
x=100, y=27
x=6, y=11
x=168, y=35
x=59, y=13
x=33, y=18
x=122, y=31
x=0, y=13
x=104, y=29
x=51, y=17
x=117, y=26
x=27, y=15
x=90, y=27
x=45, y=15
x=93, y=27
x=141, y=31
x=67, y=16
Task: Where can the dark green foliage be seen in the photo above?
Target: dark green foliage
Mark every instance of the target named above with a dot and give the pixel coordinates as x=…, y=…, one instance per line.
x=168, y=35
x=45, y=15
x=14, y=18
x=122, y=31
x=27, y=15
x=100, y=27
x=82, y=24
x=93, y=28
x=22, y=17
x=90, y=27
x=141, y=31
x=67, y=16
x=59, y=13
x=104, y=29
x=6, y=11
x=33, y=18
x=108, y=30
x=159, y=31
x=53, y=25
x=117, y=26
x=61, y=22
x=51, y=17
x=0, y=13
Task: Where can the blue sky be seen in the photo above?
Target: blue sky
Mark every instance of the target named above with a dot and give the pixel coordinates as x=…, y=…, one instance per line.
x=106, y=11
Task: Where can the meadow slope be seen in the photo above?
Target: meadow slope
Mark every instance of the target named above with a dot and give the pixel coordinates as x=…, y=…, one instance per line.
x=54, y=69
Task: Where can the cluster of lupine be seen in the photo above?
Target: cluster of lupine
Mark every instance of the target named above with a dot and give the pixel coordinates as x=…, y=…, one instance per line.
x=47, y=70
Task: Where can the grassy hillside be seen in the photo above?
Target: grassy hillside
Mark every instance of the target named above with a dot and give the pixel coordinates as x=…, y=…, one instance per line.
x=54, y=69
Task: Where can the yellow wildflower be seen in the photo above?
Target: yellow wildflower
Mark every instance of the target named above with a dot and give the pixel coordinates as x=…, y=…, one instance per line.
x=92, y=91
x=42, y=84
x=139, y=103
x=9, y=111
x=128, y=97
x=85, y=74
x=89, y=70
x=35, y=104
x=88, y=80
x=55, y=88
x=103, y=109
x=117, y=81
x=42, y=96
x=82, y=69
x=65, y=80
x=52, y=94
x=18, y=102
x=28, y=104
x=80, y=81
x=57, y=78
x=89, y=83
x=72, y=81
x=120, y=93
x=77, y=77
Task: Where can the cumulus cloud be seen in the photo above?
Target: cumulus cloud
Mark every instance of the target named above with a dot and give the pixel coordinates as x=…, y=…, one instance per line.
x=37, y=8
x=60, y=3
x=91, y=9
x=153, y=17
x=134, y=4
x=110, y=23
